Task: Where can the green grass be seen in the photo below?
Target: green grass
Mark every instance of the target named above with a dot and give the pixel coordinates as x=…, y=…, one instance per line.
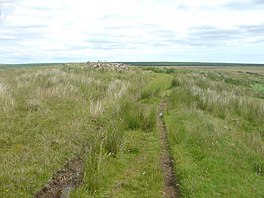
x=216, y=134
x=259, y=87
x=135, y=172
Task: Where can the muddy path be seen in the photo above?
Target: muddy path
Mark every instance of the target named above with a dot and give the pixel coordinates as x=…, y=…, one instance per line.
x=171, y=186
x=66, y=179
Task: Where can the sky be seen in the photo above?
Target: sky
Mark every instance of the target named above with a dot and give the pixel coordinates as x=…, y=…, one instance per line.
x=132, y=30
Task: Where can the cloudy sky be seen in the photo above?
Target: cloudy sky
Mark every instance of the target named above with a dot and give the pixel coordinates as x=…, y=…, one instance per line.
x=132, y=30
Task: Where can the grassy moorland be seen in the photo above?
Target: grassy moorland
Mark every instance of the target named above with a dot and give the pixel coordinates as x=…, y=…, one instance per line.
x=194, y=64
x=108, y=118
x=216, y=132
x=28, y=65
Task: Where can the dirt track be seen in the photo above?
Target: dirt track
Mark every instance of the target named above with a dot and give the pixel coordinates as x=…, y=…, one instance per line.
x=171, y=186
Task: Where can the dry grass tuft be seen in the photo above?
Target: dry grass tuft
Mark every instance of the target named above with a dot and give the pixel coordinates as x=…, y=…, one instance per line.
x=96, y=108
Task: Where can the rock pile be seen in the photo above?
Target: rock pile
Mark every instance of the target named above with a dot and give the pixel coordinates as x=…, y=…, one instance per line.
x=108, y=65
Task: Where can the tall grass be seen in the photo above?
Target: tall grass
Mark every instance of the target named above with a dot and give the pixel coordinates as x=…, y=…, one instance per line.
x=113, y=137
x=220, y=98
x=96, y=109
x=93, y=160
x=6, y=99
x=135, y=116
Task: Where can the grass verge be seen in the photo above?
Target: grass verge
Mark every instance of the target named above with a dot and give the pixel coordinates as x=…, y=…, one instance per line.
x=215, y=127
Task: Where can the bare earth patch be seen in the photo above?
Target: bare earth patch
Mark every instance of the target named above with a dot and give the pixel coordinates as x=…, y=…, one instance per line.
x=171, y=185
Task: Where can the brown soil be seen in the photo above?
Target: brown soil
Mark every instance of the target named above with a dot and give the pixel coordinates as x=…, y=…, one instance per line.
x=69, y=177
x=171, y=186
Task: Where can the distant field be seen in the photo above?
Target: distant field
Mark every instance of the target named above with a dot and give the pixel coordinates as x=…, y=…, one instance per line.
x=202, y=64
x=192, y=65
x=246, y=69
x=10, y=66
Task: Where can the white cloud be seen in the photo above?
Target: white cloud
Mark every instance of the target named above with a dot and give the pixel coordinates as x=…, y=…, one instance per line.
x=65, y=30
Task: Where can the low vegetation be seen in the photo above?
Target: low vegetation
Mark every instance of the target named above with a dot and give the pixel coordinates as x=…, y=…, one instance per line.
x=52, y=114
x=108, y=118
x=215, y=122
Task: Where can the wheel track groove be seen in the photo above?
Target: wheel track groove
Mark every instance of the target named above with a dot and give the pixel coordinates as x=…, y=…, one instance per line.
x=171, y=185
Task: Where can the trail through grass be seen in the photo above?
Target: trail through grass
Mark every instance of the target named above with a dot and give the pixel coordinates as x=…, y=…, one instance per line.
x=108, y=118
x=52, y=114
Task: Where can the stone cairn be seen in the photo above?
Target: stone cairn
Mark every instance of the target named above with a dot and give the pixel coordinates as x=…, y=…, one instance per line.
x=108, y=66
x=100, y=65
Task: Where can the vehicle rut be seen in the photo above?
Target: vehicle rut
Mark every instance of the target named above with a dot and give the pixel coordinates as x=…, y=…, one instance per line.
x=65, y=180
x=171, y=186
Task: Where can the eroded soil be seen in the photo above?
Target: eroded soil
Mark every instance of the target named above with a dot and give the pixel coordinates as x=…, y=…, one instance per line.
x=66, y=179
x=171, y=186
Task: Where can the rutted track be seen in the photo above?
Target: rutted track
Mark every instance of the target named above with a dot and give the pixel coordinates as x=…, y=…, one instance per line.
x=171, y=185
x=71, y=175
x=66, y=179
